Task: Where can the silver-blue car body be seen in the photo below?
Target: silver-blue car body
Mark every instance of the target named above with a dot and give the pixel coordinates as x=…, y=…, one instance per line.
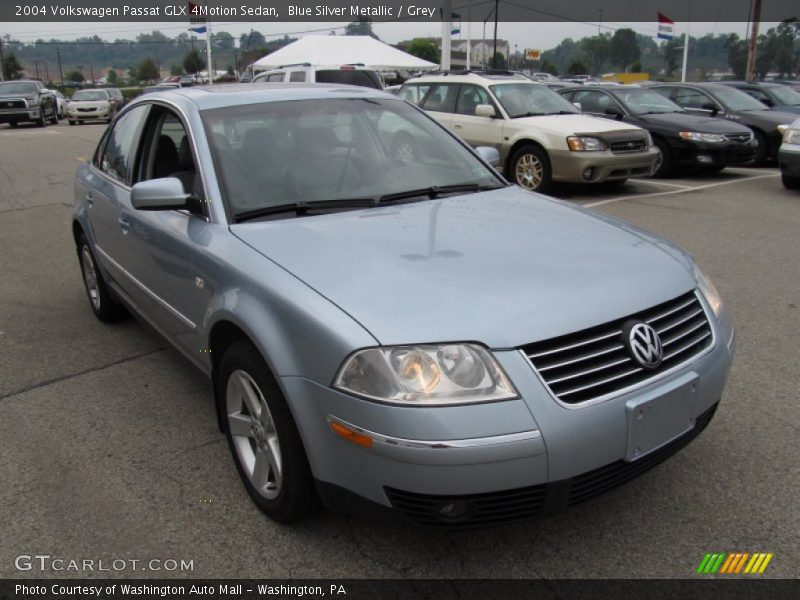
x=457, y=356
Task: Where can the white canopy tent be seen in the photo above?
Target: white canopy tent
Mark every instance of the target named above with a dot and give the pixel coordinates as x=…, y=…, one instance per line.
x=332, y=50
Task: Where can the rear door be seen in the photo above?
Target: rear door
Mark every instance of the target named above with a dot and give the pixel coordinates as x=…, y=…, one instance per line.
x=440, y=102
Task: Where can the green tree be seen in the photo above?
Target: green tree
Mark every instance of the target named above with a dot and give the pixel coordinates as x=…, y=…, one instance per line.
x=75, y=75
x=111, y=77
x=577, y=67
x=498, y=61
x=222, y=40
x=147, y=70
x=546, y=66
x=766, y=54
x=194, y=61
x=176, y=70
x=784, y=46
x=596, y=51
x=624, y=48
x=736, y=49
x=11, y=67
x=424, y=49
x=361, y=26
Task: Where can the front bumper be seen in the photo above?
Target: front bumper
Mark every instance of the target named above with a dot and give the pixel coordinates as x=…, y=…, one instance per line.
x=789, y=160
x=571, y=166
x=533, y=449
x=702, y=154
x=16, y=115
x=89, y=116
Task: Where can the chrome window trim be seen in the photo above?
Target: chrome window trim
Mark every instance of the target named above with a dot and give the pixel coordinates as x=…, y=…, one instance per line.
x=171, y=309
x=480, y=442
x=712, y=324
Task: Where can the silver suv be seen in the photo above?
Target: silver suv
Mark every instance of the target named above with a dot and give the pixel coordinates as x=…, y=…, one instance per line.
x=351, y=74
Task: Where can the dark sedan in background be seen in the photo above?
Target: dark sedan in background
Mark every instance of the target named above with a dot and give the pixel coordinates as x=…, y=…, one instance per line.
x=725, y=102
x=686, y=141
x=775, y=95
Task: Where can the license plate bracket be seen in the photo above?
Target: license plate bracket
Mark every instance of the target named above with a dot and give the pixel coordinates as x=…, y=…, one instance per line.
x=656, y=421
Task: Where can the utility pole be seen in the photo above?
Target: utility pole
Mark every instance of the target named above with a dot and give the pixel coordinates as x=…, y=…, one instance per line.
x=447, y=17
x=469, y=32
x=600, y=21
x=2, y=78
x=494, y=51
x=752, y=49
x=60, y=71
x=91, y=70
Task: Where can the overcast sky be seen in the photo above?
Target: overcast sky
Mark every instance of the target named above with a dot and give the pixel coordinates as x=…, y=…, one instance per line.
x=524, y=35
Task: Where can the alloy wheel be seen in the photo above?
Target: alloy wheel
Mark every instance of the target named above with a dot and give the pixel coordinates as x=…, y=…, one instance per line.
x=254, y=434
x=90, y=277
x=529, y=171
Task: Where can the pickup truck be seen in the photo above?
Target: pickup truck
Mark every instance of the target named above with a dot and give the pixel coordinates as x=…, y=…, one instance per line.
x=27, y=100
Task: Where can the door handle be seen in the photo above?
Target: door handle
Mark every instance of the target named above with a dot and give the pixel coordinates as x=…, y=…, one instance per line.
x=124, y=224
x=89, y=199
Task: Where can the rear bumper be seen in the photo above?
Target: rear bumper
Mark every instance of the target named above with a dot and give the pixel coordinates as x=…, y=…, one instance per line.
x=571, y=166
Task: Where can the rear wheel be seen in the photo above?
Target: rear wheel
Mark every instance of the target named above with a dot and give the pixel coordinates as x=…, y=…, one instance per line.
x=42, y=121
x=54, y=116
x=530, y=169
x=790, y=183
x=104, y=307
x=262, y=436
x=71, y=122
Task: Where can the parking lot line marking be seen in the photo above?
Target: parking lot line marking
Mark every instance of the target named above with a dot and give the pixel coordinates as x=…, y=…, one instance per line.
x=675, y=192
x=80, y=159
x=651, y=182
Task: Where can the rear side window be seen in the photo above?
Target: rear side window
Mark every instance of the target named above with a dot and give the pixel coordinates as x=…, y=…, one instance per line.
x=275, y=77
x=358, y=77
x=414, y=93
x=120, y=148
x=297, y=76
x=442, y=98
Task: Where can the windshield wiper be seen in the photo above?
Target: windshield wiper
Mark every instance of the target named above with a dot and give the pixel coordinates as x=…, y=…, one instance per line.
x=435, y=191
x=563, y=112
x=529, y=114
x=302, y=208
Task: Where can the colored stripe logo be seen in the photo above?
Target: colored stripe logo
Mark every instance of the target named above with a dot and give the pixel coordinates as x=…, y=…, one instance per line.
x=735, y=563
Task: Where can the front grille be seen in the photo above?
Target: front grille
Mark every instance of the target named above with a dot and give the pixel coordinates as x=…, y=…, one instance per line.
x=594, y=483
x=595, y=362
x=496, y=508
x=87, y=109
x=484, y=509
x=15, y=103
x=631, y=145
x=742, y=138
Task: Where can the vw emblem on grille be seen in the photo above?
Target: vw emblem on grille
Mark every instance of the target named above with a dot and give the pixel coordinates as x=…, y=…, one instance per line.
x=644, y=344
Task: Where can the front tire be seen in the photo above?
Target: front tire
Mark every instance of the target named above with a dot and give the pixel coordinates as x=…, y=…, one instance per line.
x=763, y=149
x=42, y=121
x=104, y=306
x=530, y=169
x=263, y=437
x=664, y=162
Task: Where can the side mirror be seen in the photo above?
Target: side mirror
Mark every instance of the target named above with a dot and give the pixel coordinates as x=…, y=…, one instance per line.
x=614, y=112
x=485, y=110
x=489, y=154
x=711, y=106
x=159, y=194
x=578, y=105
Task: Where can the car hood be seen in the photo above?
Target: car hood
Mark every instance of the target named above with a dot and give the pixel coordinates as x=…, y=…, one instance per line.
x=689, y=122
x=571, y=124
x=502, y=268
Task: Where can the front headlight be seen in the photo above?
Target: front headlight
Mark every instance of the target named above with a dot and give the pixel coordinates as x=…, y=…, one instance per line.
x=578, y=143
x=696, y=136
x=791, y=136
x=709, y=291
x=425, y=375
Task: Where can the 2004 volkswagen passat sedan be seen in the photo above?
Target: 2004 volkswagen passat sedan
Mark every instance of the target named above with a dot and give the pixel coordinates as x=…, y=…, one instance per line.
x=387, y=331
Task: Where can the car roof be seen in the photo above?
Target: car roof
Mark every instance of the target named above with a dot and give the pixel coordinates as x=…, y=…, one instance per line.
x=488, y=77
x=207, y=97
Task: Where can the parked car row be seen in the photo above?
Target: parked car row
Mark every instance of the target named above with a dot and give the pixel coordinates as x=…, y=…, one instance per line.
x=602, y=133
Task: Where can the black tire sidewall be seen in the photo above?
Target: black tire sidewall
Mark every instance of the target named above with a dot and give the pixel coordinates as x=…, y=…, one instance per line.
x=665, y=169
x=297, y=499
x=110, y=310
x=763, y=149
x=547, y=173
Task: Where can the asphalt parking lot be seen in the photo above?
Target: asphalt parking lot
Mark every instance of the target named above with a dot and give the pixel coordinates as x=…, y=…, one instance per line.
x=109, y=446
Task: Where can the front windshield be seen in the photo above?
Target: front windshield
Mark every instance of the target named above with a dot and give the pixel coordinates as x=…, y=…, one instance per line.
x=17, y=87
x=734, y=99
x=333, y=149
x=88, y=96
x=642, y=102
x=530, y=99
x=785, y=95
